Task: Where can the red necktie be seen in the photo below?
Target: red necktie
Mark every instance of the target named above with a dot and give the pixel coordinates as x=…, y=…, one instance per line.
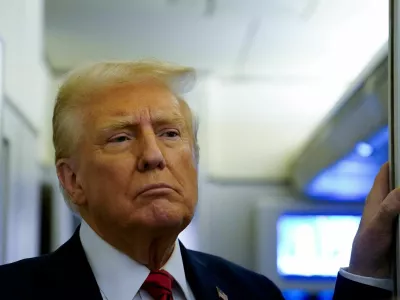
x=159, y=285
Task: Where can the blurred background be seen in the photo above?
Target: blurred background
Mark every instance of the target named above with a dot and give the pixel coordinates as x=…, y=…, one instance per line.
x=292, y=101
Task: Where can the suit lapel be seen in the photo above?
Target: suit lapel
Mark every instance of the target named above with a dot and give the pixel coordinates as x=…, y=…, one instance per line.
x=201, y=280
x=71, y=274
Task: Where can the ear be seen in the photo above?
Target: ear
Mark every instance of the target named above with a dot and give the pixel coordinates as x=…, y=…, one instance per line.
x=70, y=181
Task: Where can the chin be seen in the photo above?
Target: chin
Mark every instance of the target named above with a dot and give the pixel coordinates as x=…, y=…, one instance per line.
x=166, y=214
x=167, y=219
x=166, y=223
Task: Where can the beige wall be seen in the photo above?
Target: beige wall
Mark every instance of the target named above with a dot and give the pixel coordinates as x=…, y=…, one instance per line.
x=26, y=77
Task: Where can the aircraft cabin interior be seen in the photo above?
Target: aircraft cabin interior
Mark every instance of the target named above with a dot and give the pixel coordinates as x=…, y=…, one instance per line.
x=292, y=102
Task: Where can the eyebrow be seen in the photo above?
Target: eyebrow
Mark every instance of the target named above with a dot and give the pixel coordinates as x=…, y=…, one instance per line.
x=117, y=125
x=129, y=122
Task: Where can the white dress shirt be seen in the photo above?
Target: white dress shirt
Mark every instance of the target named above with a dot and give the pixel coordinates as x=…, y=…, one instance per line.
x=120, y=278
x=386, y=284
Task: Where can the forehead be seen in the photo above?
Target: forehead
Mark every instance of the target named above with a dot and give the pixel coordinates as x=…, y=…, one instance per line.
x=144, y=100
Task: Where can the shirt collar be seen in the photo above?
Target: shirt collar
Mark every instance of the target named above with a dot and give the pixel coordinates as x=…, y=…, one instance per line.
x=118, y=276
x=174, y=266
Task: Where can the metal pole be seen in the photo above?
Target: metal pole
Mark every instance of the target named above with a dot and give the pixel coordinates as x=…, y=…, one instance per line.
x=394, y=128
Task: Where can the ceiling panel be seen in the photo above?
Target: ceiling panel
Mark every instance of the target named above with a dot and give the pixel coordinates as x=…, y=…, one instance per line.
x=117, y=7
x=205, y=7
x=290, y=51
x=338, y=12
x=281, y=8
x=205, y=43
x=335, y=42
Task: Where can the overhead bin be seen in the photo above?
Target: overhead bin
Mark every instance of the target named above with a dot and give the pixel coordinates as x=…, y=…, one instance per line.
x=345, y=153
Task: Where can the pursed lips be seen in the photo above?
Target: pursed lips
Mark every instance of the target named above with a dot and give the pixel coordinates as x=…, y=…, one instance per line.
x=157, y=187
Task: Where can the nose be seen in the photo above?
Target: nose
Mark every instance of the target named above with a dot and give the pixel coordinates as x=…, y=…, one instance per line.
x=151, y=157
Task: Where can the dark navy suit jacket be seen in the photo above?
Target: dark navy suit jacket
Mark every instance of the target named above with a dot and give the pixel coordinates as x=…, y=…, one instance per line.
x=348, y=290
x=66, y=275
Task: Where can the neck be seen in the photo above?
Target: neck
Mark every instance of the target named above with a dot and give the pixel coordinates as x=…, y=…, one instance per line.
x=158, y=253
x=147, y=247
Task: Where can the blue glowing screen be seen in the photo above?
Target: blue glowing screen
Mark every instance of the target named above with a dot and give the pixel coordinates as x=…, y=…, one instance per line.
x=351, y=178
x=314, y=245
x=305, y=295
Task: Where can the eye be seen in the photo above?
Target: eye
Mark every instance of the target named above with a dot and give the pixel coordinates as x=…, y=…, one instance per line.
x=170, y=134
x=119, y=139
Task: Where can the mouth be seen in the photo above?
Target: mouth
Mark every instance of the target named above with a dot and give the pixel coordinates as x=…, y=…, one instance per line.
x=156, y=189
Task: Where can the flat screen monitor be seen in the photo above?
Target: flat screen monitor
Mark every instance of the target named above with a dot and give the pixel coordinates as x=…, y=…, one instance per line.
x=314, y=245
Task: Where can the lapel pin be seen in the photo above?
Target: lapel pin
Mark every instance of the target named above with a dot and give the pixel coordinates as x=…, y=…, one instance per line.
x=221, y=294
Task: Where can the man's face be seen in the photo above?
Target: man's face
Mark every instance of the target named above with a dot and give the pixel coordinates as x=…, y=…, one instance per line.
x=135, y=160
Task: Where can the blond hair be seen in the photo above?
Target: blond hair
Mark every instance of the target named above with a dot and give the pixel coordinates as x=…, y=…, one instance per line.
x=81, y=84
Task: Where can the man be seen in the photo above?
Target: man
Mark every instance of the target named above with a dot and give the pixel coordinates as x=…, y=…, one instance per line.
x=126, y=156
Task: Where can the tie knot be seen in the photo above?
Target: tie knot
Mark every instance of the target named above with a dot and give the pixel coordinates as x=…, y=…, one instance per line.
x=159, y=284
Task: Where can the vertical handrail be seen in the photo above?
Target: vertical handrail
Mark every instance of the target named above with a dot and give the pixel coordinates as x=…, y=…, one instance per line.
x=394, y=130
x=2, y=199
x=5, y=196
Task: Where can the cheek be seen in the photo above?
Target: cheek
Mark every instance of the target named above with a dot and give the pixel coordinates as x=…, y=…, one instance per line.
x=184, y=159
x=183, y=167
x=108, y=176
